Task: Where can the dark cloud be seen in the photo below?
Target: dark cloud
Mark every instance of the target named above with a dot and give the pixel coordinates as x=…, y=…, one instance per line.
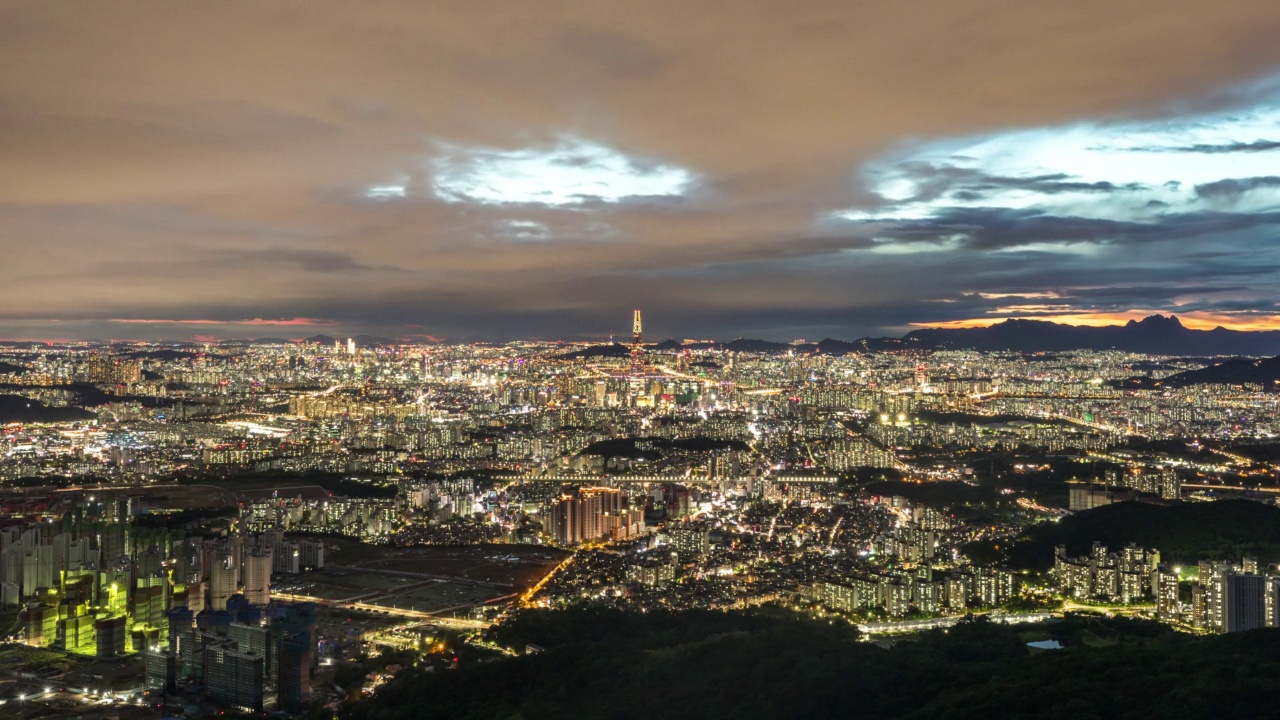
x=1004, y=228
x=1231, y=189
x=317, y=261
x=936, y=182
x=1235, y=147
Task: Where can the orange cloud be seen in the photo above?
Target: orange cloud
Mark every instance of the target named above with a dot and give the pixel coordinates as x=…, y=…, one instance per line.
x=277, y=322
x=1030, y=308
x=1194, y=320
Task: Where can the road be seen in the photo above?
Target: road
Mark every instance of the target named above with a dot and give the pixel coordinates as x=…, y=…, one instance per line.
x=449, y=622
x=527, y=598
x=36, y=701
x=17, y=624
x=906, y=626
x=1071, y=606
x=228, y=497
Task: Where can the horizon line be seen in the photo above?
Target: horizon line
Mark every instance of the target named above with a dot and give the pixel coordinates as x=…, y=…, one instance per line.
x=1192, y=320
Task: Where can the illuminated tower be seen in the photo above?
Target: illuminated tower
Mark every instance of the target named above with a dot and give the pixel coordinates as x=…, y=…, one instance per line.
x=637, y=352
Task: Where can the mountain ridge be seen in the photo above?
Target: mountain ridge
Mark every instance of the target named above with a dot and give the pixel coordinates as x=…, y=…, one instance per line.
x=1154, y=335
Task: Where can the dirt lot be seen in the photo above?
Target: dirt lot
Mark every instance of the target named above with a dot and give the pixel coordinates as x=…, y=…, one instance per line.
x=427, y=579
x=161, y=497
x=513, y=566
x=516, y=566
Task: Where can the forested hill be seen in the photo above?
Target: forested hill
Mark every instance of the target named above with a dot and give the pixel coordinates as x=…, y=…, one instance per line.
x=1183, y=533
x=613, y=665
x=15, y=408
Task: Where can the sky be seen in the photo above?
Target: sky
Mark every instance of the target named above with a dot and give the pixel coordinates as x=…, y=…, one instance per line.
x=497, y=171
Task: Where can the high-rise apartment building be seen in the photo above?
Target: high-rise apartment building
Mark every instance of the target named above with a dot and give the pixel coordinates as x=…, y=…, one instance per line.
x=234, y=678
x=594, y=513
x=1244, y=601
x=295, y=655
x=257, y=576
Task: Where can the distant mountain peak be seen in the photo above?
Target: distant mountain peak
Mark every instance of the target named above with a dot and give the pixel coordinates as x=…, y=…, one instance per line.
x=1157, y=321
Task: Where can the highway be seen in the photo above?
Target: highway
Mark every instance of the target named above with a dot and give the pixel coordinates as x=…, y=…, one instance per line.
x=907, y=626
x=1252, y=488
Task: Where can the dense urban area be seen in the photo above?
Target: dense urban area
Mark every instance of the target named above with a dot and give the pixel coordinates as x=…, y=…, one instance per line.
x=321, y=527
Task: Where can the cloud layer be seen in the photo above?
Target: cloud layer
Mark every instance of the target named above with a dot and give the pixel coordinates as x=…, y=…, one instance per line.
x=791, y=170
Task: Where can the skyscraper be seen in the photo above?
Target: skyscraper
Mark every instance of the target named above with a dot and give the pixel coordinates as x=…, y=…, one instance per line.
x=637, y=352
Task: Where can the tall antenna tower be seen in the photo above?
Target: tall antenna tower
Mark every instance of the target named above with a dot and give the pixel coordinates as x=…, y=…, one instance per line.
x=637, y=351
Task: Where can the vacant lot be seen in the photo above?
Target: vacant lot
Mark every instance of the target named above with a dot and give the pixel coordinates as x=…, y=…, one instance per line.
x=511, y=566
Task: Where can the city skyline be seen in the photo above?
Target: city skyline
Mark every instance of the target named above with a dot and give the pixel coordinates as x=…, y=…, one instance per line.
x=1155, y=333
x=240, y=171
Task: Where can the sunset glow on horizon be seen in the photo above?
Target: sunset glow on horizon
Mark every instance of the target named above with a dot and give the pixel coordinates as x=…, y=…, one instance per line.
x=1190, y=320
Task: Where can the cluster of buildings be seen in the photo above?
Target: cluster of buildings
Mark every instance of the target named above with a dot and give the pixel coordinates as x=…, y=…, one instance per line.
x=864, y=557
x=1218, y=597
x=91, y=367
x=712, y=472
x=1124, y=577
x=248, y=657
x=898, y=594
x=1163, y=482
x=1135, y=482
x=594, y=513
x=373, y=519
x=1223, y=597
x=909, y=542
x=531, y=408
x=905, y=431
x=93, y=582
